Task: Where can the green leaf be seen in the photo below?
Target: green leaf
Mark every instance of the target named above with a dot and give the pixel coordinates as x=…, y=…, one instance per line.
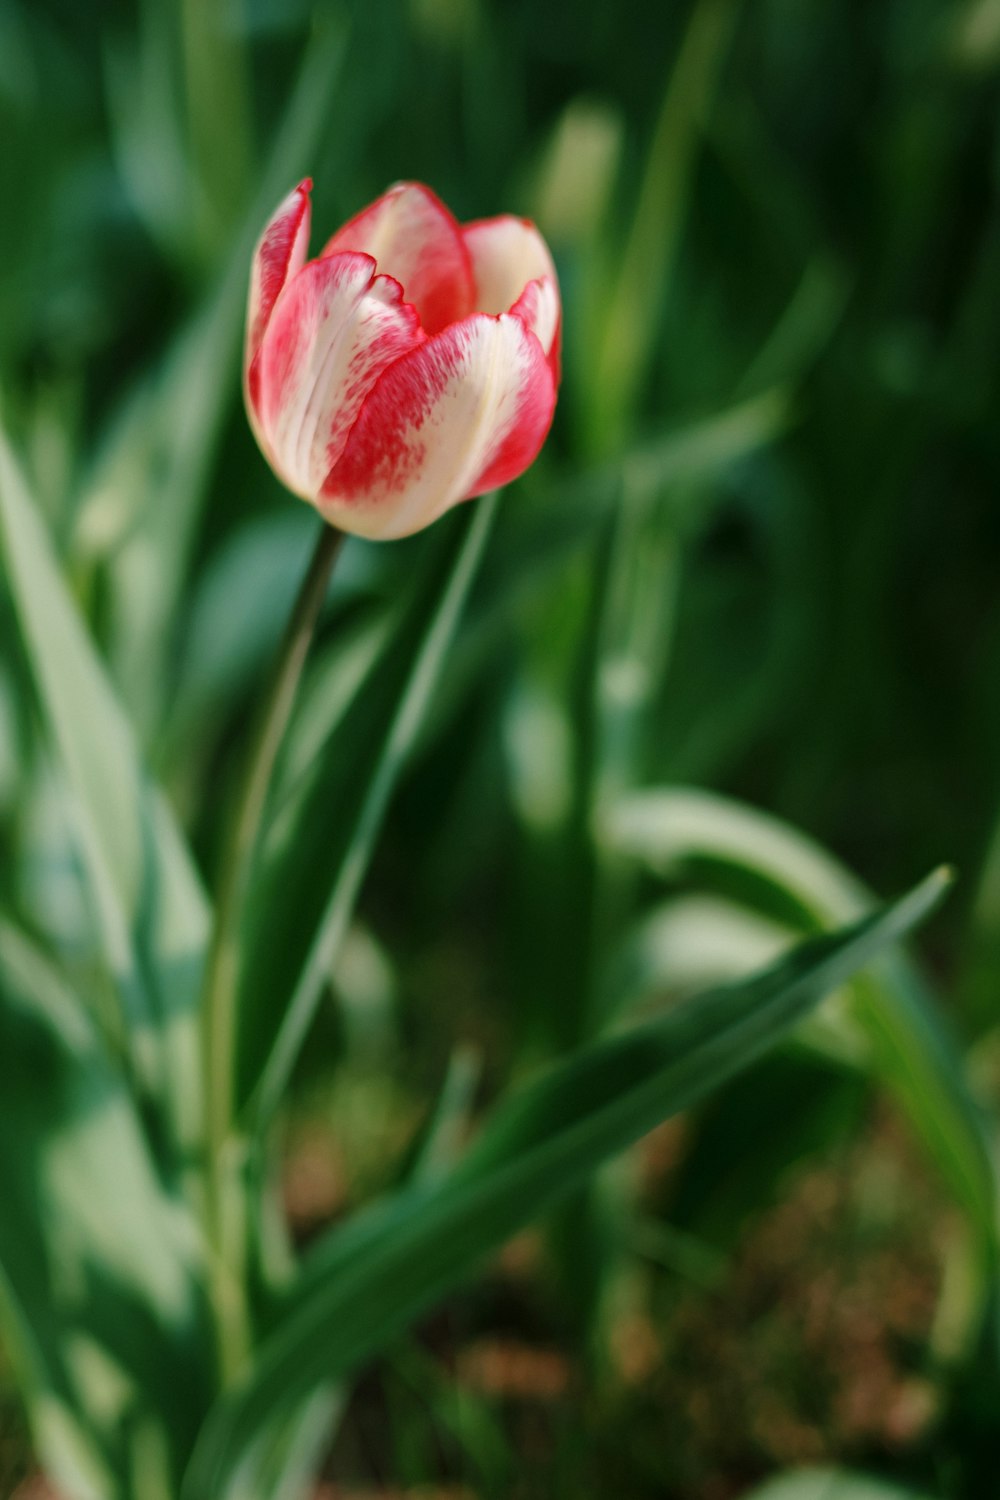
x=286, y=1455
x=832, y=1484
x=150, y=908
x=142, y=507
x=631, y=308
x=365, y=1283
x=100, y=1307
x=686, y=457
x=237, y=613
x=546, y=525
x=769, y=1120
x=684, y=944
x=682, y=831
x=317, y=849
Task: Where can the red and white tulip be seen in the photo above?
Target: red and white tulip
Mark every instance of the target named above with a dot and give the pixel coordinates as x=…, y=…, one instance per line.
x=412, y=365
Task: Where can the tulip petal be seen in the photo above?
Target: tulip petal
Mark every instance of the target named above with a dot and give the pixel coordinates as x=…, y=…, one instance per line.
x=413, y=237
x=281, y=251
x=333, y=330
x=508, y=254
x=465, y=412
x=538, y=308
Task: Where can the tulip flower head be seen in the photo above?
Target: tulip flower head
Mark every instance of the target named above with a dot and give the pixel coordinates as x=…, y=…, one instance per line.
x=412, y=365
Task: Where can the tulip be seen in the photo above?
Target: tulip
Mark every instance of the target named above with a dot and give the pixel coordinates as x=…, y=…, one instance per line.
x=412, y=365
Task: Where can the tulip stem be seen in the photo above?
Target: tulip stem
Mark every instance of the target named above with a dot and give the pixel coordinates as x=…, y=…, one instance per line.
x=224, y=1218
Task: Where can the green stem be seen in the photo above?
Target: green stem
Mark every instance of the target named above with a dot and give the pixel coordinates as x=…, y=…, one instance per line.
x=400, y=734
x=223, y=1218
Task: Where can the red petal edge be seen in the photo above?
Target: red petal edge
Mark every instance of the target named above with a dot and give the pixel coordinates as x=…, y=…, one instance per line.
x=286, y=234
x=434, y=265
x=423, y=441
x=337, y=327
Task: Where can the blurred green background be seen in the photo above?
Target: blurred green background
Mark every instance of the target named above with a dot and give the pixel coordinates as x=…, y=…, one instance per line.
x=758, y=557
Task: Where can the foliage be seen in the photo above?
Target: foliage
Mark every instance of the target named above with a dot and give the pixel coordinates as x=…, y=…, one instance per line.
x=514, y=867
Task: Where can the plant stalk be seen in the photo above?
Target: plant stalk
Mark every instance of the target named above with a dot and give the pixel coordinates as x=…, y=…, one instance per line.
x=224, y=1220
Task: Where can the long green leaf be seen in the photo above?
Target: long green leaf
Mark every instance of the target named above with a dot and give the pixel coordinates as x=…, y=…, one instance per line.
x=283, y=1460
x=320, y=845
x=100, y=1304
x=631, y=308
x=678, y=830
x=150, y=908
x=368, y=1281
x=143, y=504
x=833, y=1484
x=543, y=534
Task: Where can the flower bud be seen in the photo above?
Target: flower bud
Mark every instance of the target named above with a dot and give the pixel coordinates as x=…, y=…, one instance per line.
x=413, y=364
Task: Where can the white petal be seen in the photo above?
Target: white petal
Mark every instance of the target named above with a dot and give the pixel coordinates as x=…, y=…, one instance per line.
x=538, y=307
x=334, y=329
x=412, y=236
x=465, y=412
x=508, y=253
x=280, y=252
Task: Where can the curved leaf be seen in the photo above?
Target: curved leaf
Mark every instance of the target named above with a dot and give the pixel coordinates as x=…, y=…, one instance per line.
x=681, y=830
x=100, y=1301
x=317, y=849
x=832, y=1484
x=365, y=1283
x=150, y=907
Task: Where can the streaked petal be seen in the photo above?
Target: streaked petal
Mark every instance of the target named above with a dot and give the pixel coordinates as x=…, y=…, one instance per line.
x=413, y=237
x=465, y=412
x=508, y=253
x=281, y=251
x=539, y=309
x=333, y=330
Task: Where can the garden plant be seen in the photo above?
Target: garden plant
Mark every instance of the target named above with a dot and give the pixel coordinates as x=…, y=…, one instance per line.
x=417, y=819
